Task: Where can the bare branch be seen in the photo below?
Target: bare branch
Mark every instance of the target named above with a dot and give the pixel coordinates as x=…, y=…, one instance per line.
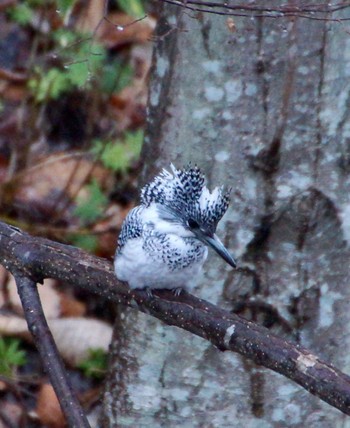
x=38, y=258
x=315, y=11
x=51, y=360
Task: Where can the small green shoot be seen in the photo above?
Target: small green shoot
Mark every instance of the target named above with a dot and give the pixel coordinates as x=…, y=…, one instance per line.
x=88, y=64
x=21, y=13
x=92, y=207
x=95, y=365
x=115, y=77
x=63, y=38
x=64, y=6
x=49, y=85
x=133, y=8
x=119, y=155
x=11, y=356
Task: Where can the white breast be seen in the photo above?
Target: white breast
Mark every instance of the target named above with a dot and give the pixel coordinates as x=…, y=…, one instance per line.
x=142, y=269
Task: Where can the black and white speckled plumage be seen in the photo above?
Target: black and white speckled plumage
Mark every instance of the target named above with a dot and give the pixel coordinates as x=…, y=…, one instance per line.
x=132, y=227
x=161, y=243
x=184, y=193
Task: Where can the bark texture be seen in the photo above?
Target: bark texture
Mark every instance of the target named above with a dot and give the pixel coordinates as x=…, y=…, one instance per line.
x=264, y=109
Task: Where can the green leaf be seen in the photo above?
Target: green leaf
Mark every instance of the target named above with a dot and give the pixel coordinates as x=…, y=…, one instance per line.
x=92, y=207
x=64, y=6
x=134, y=141
x=78, y=73
x=115, y=77
x=118, y=155
x=21, y=13
x=88, y=63
x=132, y=7
x=64, y=37
x=11, y=356
x=35, y=3
x=48, y=85
x=95, y=366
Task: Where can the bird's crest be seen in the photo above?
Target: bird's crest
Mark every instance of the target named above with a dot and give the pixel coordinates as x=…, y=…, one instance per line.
x=184, y=192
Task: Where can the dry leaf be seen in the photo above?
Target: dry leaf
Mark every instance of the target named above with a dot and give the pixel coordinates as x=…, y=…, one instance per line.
x=71, y=307
x=12, y=325
x=129, y=105
x=51, y=184
x=121, y=29
x=49, y=297
x=74, y=337
x=73, y=170
x=48, y=408
x=90, y=16
x=106, y=229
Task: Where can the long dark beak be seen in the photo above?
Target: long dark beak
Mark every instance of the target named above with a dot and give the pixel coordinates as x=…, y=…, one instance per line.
x=215, y=243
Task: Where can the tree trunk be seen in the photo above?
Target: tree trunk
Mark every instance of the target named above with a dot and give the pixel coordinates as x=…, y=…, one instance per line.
x=263, y=109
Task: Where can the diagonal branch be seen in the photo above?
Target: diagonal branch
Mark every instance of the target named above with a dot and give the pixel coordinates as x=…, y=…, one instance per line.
x=50, y=357
x=38, y=258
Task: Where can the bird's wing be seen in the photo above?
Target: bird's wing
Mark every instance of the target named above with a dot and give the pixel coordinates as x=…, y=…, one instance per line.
x=131, y=228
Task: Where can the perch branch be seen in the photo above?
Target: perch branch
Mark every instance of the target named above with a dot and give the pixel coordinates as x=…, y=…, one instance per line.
x=38, y=258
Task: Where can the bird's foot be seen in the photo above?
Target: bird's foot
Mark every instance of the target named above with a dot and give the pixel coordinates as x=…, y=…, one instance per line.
x=177, y=291
x=149, y=291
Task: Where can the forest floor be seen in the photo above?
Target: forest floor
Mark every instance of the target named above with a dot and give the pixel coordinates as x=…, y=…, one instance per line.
x=73, y=92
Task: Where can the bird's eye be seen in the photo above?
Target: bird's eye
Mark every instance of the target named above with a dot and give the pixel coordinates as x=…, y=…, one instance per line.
x=192, y=223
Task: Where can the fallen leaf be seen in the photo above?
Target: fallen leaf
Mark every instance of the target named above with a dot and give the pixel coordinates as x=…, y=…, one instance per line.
x=71, y=307
x=49, y=186
x=12, y=325
x=90, y=16
x=129, y=105
x=120, y=29
x=49, y=297
x=74, y=337
x=48, y=408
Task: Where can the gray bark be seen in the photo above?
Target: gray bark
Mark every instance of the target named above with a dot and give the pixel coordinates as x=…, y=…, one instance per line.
x=264, y=110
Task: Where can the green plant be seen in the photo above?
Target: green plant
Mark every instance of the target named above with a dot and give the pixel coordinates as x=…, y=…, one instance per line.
x=22, y=13
x=133, y=8
x=80, y=62
x=115, y=77
x=118, y=155
x=95, y=365
x=88, y=210
x=64, y=6
x=11, y=356
x=46, y=84
x=91, y=208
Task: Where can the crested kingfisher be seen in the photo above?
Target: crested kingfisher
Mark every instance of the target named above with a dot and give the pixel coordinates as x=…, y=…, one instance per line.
x=163, y=241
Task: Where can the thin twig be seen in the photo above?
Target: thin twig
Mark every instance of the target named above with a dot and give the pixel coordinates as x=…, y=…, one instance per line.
x=307, y=11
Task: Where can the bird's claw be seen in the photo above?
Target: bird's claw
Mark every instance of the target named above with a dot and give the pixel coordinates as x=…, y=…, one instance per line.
x=149, y=292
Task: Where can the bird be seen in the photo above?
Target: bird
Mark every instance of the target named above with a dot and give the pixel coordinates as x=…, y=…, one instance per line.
x=163, y=241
